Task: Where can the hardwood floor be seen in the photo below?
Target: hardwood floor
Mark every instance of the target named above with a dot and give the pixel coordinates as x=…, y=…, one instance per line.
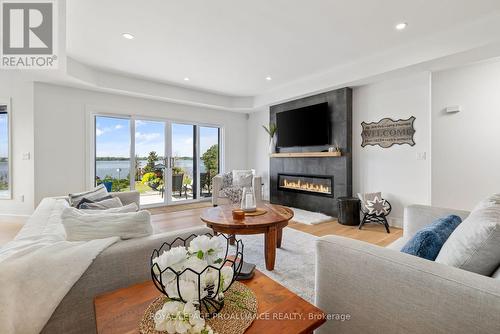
x=164, y=219
x=372, y=233
x=187, y=215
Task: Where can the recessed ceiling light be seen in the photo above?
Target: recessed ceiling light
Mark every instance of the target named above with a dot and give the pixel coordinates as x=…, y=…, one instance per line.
x=401, y=26
x=126, y=35
x=186, y=79
x=269, y=78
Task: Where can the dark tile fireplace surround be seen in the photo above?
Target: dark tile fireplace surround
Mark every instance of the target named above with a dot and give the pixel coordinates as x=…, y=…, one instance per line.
x=315, y=183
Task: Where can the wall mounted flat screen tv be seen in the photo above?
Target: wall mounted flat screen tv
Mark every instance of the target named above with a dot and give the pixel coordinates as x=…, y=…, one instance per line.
x=307, y=126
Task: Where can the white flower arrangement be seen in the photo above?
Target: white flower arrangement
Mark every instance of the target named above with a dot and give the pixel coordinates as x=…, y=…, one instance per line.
x=188, y=269
x=177, y=317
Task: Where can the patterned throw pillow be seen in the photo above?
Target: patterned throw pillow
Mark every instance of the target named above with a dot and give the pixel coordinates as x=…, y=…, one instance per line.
x=233, y=193
x=377, y=206
x=132, y=207
x=227, y=180
x=242, y=178
x=113, y=202
x=85, y=200
x=98, y=192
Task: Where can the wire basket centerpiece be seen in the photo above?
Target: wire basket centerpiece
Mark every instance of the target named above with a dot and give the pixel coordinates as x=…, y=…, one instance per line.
x=197, y=270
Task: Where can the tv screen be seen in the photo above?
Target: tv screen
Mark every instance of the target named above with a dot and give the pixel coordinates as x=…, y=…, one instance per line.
x=307, y=126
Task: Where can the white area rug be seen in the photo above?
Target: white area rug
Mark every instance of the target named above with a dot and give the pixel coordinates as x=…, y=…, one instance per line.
x=295, y=260
x=309, y=217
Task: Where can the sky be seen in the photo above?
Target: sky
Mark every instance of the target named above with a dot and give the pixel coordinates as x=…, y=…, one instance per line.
x=113, y=138
x=4, y=135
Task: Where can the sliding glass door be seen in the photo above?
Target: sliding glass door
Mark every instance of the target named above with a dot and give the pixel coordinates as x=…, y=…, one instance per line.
x=173, y=162
x=112, y=153
x=150, y=167
x=183, y=162
x=209, y=158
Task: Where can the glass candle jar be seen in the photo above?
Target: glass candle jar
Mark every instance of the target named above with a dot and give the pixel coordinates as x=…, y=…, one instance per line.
x=248, y=200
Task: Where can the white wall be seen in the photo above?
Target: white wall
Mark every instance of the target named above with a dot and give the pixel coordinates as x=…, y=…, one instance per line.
x=19, y=88
x=466, y=145
x=258, y=147
x=61, y=135
x=394, y=171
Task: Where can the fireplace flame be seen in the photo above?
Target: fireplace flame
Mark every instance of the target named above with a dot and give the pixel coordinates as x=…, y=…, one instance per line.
x=306, y=186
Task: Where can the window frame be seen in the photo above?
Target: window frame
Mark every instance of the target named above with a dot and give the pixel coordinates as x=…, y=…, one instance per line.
x=93, y=160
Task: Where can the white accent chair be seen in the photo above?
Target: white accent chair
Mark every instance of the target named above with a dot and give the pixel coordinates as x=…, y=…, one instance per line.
x=219, y=199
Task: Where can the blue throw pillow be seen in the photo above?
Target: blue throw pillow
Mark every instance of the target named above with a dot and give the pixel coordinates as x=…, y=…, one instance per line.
x=427, y=242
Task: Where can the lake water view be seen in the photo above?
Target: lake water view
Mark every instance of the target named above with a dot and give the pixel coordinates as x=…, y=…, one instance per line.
x=110, y=167
x=4, y=170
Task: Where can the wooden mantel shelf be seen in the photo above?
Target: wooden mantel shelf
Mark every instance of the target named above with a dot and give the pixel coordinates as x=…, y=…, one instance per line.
x=305, y=155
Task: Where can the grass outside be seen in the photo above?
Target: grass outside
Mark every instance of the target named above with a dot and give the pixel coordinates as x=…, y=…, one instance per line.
x=140, y=187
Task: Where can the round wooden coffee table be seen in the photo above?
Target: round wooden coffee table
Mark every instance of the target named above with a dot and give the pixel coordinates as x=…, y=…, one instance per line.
x=271, y=224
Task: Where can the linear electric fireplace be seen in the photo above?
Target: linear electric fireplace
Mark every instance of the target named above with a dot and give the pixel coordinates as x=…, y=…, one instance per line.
x=320, y=185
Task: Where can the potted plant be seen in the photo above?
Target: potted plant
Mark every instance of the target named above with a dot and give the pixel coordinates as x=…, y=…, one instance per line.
x=271, y=131
x=336, y=148
x=153, y=180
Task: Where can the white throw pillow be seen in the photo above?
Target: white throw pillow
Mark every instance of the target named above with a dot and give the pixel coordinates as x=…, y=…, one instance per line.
x=242, y=178
x=109, y=203
x=132, y=207
x=98, y=192
x=80, y=226
x=475, y=243
x=487, y=202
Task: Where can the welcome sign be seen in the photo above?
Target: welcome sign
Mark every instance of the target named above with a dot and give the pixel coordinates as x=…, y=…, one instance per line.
x=388, y=132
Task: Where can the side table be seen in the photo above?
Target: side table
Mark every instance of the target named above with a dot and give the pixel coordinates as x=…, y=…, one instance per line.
x=349, y=210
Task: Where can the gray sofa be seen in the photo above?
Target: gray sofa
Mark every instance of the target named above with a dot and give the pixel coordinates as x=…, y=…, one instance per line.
x=122, y=264
x=386, y=291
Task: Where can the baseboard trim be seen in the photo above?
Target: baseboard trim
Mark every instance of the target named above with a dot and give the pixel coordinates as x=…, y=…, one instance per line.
x=395, y=222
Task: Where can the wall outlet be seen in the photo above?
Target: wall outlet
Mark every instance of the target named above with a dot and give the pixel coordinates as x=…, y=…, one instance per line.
x=21, y=198
x=421, y=155
x=26, y=156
